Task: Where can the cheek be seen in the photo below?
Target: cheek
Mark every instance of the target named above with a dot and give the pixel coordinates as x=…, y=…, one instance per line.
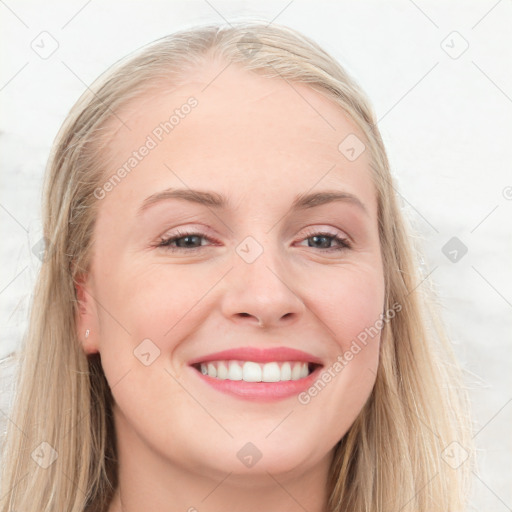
x=150, y=311
x=349, y=303
x=160, y=303
x=350, y=307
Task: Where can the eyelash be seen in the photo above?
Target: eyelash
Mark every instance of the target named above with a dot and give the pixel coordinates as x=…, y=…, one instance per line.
x=165, y=242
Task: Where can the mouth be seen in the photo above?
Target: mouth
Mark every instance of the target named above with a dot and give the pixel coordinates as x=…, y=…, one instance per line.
x=256, y=373
x=252, y=371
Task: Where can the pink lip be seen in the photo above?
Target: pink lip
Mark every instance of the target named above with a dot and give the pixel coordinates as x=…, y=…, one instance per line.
x=259, y=355
x=261, y=391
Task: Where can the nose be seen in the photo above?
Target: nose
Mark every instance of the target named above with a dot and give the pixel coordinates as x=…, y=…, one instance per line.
x=262, y=294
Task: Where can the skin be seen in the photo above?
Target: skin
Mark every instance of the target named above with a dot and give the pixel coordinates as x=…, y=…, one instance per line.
x=260, y=142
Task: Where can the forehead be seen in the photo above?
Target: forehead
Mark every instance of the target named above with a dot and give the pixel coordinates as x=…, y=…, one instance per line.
x=245, y=130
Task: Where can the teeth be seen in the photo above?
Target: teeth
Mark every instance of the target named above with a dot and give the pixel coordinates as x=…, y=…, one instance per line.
x=296, y=372
x=286, y=371
x=271, y=372
x=212, y=370
x=234, y=373
x=250, y=371
x=222, y=371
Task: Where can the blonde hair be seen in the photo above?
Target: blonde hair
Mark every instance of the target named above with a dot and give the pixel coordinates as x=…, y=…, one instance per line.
x=391, y=459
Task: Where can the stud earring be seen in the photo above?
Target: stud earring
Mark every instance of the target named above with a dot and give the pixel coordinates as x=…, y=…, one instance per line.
x=87, y=333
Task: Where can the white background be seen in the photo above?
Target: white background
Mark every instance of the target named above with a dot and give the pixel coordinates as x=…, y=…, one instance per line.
x=446, y=122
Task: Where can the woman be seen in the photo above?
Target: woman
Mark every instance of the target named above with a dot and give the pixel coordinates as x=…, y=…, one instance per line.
x=229, y=312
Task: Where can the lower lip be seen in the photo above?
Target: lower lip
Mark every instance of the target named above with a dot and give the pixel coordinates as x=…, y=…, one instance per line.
x=261, y=391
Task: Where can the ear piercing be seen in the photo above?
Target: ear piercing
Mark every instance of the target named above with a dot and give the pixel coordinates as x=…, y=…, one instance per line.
x=87, y=333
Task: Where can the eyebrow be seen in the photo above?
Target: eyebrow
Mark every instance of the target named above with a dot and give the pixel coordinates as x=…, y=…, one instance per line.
x=218, y=201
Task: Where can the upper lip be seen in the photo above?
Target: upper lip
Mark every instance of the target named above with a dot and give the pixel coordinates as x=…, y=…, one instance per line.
x=259, y=355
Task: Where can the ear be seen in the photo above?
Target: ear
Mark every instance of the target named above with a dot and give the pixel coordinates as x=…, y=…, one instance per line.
x=86, y=321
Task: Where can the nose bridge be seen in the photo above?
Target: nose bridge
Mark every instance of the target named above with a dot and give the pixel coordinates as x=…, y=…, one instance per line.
x=258, y=284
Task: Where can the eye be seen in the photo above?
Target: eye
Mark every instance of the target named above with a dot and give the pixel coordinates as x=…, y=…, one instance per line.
x=191, y=241
x=183, y=241
x=322, y=240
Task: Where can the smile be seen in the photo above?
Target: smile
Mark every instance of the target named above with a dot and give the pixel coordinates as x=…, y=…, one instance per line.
x=250, y=371
x=257, y=373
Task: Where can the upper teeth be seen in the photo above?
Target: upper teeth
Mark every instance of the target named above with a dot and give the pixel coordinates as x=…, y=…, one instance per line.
x=250, y=371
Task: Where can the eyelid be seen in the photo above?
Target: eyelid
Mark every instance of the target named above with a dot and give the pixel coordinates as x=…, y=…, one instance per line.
x=203, y=230
x=189, y=229
x=313, y=230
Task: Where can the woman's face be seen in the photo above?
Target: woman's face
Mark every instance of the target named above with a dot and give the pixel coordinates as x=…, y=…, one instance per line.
x=256, y=272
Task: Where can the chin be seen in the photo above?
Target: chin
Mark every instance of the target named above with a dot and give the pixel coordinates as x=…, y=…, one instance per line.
x=258, y=458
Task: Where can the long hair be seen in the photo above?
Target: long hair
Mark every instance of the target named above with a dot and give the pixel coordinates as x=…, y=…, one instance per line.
x=60, y=448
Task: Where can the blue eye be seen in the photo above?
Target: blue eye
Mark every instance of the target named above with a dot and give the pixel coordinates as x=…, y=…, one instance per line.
x=191, y=241
x=343, y=243
x=184, y=241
